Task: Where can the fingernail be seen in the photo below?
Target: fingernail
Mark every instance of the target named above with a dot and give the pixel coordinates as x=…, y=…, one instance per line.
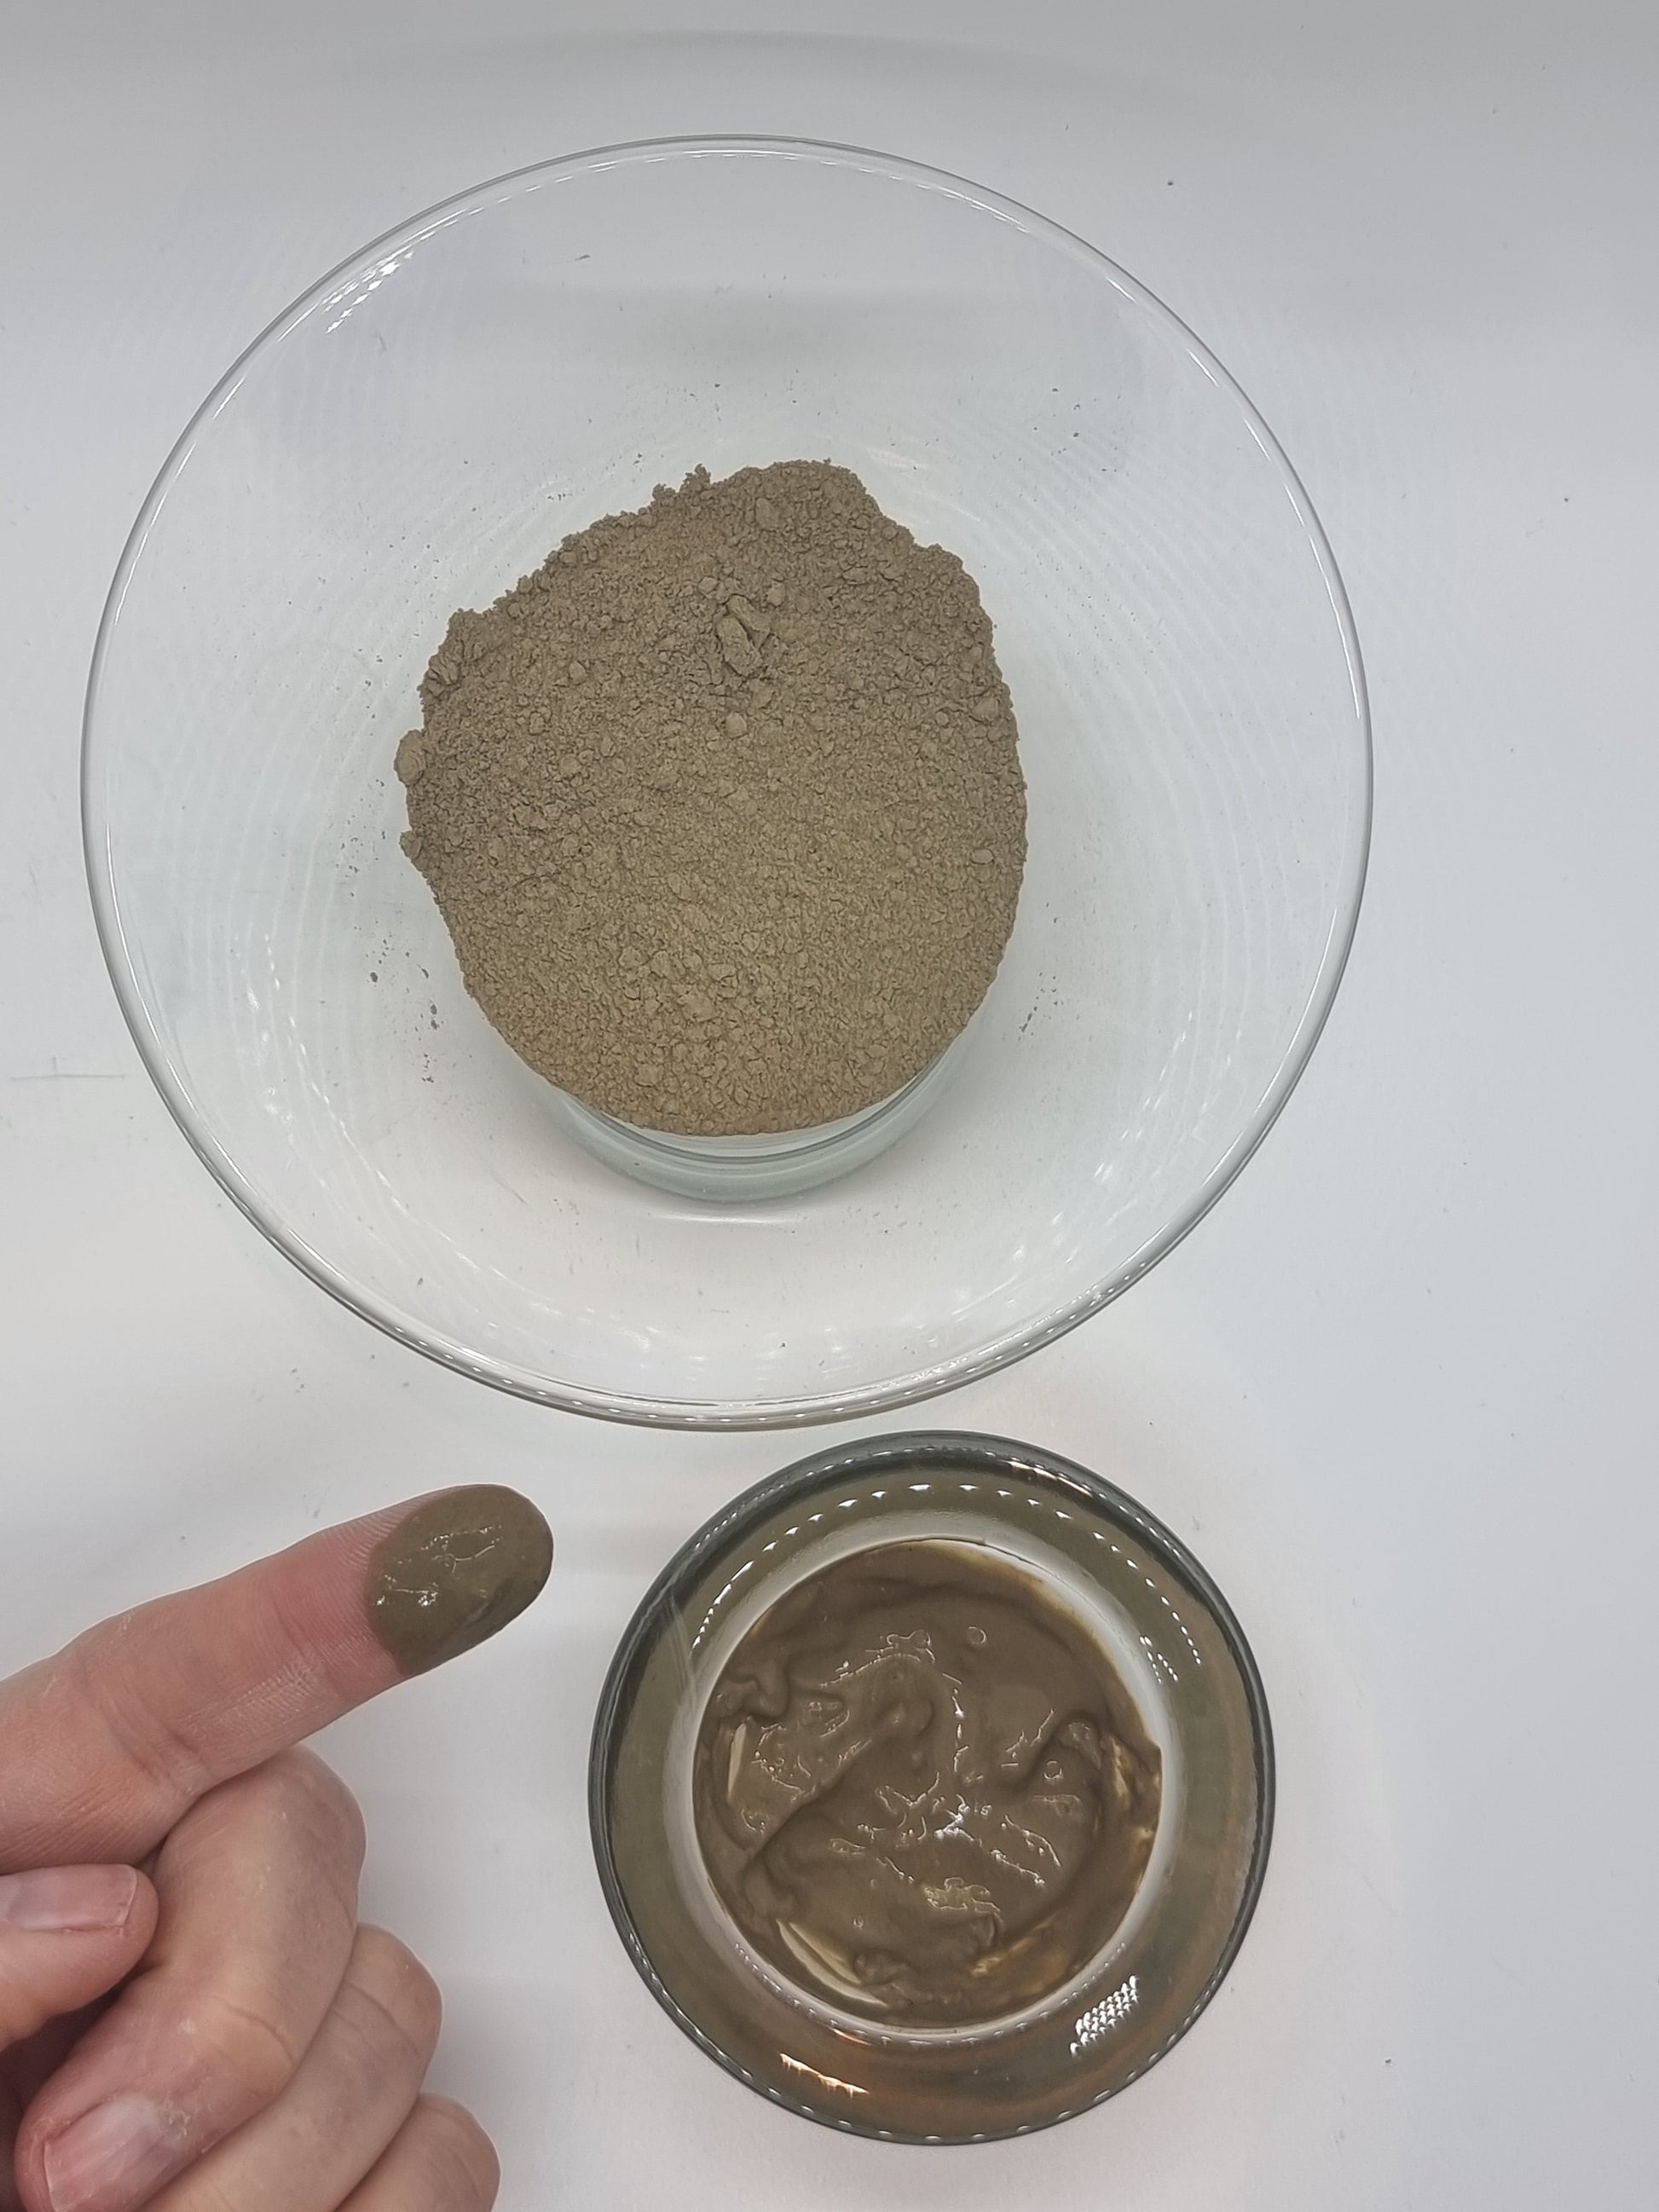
x=58, y=1898
x=454, y=1571
x=116, y=2155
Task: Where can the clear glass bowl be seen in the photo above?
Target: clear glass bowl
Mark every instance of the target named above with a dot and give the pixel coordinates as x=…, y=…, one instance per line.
x=416, y=433
x=1178, y=1650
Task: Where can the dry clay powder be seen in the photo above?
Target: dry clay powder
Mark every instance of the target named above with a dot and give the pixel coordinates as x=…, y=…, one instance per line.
x=722, y=805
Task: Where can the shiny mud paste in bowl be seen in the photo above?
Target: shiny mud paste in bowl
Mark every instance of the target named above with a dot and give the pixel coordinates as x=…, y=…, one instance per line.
x=875, y=1632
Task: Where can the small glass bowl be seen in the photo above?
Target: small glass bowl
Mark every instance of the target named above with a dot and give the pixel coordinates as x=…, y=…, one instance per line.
x=742, y=1170
x=417, y=432
x=1178, y=1650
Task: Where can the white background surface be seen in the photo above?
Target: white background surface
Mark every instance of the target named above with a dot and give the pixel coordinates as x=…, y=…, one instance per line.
x=1392, y=1390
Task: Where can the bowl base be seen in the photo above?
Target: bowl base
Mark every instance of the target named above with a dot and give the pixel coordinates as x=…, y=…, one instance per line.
x=728, y=1170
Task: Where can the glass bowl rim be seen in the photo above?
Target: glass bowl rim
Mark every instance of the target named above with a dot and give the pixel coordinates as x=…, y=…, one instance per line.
x=763, y=1412
x=910, y=1448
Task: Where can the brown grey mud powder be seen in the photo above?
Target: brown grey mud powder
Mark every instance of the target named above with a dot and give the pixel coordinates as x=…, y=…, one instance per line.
x=722, y=805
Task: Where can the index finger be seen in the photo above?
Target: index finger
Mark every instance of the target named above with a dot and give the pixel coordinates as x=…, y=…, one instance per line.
x=104, y=1747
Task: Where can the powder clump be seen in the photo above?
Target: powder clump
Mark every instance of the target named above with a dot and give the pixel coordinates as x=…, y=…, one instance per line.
x=722, y=805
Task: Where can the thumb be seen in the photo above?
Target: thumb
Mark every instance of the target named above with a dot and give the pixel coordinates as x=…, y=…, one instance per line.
x=68, y=1934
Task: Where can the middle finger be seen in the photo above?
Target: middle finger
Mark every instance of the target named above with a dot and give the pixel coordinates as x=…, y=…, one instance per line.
x=259, y=1895
x=308, y=2151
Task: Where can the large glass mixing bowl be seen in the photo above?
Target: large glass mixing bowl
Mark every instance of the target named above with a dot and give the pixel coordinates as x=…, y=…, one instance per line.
x=417, y=432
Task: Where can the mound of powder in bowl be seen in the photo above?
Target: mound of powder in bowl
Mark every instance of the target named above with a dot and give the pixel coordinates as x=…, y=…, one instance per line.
x=722, y=805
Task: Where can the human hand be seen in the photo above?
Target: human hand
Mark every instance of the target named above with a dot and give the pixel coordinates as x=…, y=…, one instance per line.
x=190, y=2017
